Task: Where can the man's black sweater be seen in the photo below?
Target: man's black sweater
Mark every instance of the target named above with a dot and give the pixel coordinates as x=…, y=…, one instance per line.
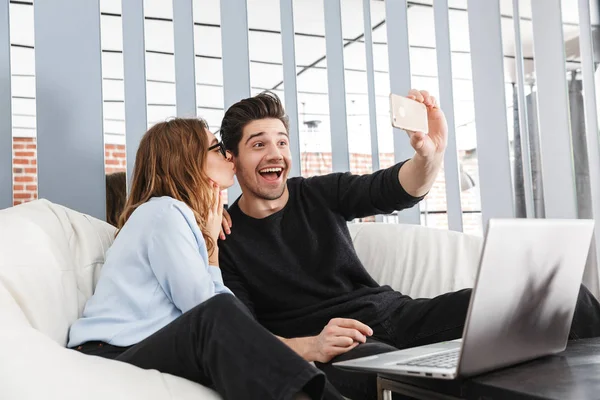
x=296, y=269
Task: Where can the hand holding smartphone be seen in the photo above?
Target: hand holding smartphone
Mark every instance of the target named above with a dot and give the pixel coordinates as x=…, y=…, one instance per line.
x=407, y=114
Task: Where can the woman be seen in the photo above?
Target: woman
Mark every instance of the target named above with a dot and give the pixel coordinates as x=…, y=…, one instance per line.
x=160, y=302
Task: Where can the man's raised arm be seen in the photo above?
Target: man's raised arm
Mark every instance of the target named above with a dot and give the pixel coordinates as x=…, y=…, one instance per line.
x=398, y=187
x=418, y=174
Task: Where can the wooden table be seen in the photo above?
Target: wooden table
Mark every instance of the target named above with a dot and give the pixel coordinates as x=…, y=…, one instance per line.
x=572, y=374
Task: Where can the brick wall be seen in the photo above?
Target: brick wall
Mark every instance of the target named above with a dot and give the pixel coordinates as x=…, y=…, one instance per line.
x=24, y=170
x=320, y=163
x=25, y=178
x=25, y=167
x=114, y=158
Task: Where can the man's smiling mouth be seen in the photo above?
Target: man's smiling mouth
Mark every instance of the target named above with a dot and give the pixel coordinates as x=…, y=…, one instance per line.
x=271, y=173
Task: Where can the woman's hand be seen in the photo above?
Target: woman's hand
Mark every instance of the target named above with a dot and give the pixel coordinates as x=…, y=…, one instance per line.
x=215, y=215
x=226, y=225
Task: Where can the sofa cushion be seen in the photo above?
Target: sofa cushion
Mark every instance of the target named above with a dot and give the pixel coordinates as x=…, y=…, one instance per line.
x=39, y=368
x=49, y=260
x=416, y=260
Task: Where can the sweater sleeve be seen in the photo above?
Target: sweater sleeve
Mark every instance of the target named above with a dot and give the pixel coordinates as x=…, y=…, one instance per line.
x=180, y=262
x=358, y=196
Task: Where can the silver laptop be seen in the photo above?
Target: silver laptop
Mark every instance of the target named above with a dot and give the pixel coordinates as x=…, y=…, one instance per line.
x=521, y=307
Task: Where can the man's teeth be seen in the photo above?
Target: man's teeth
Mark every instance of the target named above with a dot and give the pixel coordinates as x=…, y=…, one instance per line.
x=262, y=171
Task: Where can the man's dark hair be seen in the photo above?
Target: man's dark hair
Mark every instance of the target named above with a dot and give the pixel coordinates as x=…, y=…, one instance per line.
x=261, y=106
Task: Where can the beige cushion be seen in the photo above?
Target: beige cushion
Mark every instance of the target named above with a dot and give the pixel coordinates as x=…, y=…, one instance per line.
x=416, y=260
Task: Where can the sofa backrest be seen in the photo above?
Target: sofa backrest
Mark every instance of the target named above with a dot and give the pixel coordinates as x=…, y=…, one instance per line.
x=51, y=256
x=49, y=262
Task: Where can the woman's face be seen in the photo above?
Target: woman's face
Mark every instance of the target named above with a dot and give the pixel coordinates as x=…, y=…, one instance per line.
x=218, y=168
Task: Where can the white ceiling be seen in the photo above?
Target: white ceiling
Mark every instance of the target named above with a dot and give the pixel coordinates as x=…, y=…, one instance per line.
x=266, y=57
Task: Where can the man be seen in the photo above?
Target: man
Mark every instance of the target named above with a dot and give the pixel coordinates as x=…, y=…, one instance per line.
x=290, y=257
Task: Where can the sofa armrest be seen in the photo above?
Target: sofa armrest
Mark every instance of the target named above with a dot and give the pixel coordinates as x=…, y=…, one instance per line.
x=34, y=366
x=416, y=260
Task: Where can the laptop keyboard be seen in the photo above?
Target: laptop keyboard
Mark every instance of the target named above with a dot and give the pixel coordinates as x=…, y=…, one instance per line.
x=443, y=360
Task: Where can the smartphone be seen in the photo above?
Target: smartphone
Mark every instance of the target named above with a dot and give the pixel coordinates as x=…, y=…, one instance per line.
x=408, y=114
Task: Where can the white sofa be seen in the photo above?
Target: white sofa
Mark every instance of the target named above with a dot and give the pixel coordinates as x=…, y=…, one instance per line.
x=50, y=258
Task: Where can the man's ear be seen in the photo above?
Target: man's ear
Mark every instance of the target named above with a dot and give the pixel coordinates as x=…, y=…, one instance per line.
x=230, y=157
